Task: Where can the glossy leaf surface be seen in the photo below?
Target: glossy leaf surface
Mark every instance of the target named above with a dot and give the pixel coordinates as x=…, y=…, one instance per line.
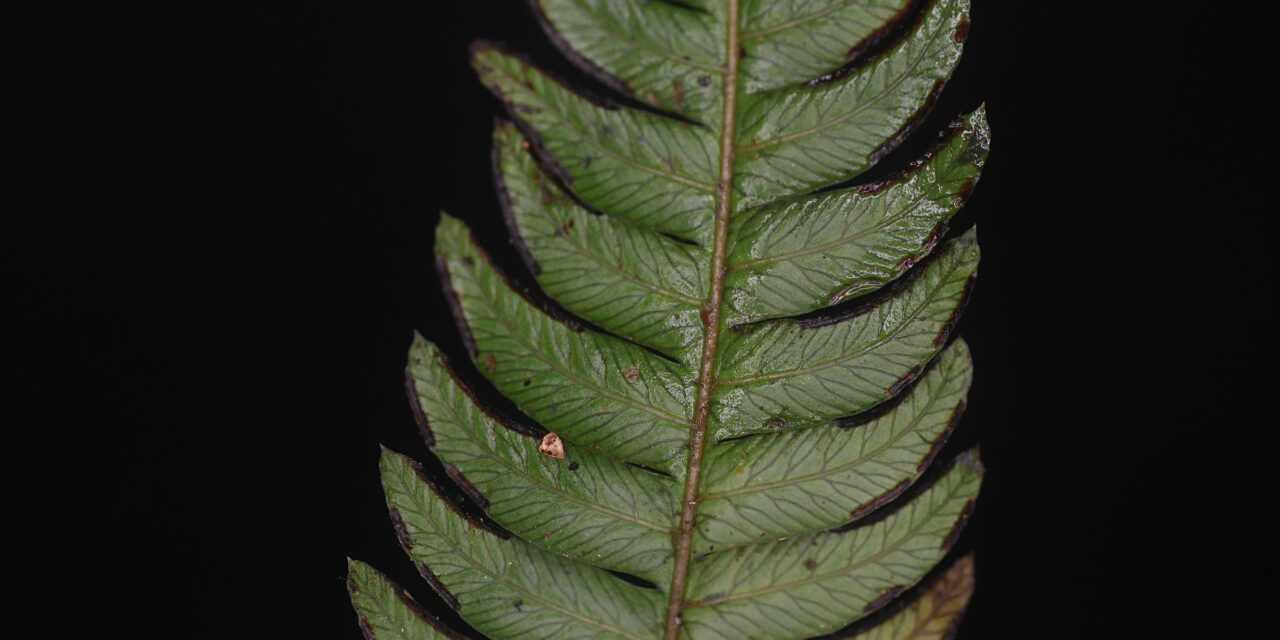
x=735, y=369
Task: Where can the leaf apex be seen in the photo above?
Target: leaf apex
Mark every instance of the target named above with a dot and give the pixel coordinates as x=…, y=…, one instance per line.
x=972, y=460
x=480, y=48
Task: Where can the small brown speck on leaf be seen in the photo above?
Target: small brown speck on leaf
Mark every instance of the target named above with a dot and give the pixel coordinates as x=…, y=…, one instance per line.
x=524, y=145
x=552, y=446
x=632, y=373
x=490, y=363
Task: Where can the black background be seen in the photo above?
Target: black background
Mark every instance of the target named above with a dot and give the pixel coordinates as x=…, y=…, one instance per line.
x=219, y=247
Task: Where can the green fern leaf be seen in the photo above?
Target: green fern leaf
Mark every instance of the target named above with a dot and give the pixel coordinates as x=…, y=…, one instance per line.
x=757, y=363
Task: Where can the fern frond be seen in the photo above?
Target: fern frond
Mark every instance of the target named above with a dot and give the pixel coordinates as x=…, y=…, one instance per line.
x=757, y=367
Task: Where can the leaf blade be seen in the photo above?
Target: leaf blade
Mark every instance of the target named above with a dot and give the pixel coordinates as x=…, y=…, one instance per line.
x=811, y=252
x=587, y=506
x=798, y=140
x=508, y=587
x=653, y=171
x=822, y=582
x=634, y=282
x=935, y=614
x=785, y=374
x=777, y=485
x=662, y=53
x=789, y=43
x=574, y=382
x=385, y=612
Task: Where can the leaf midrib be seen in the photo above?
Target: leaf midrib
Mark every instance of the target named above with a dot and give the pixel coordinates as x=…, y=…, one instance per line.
x=711, y=315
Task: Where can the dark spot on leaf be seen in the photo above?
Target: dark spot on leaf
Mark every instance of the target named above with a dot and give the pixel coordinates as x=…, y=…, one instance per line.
x=468, y=261
x=568, y=225
x=962, y=30
x=573, y=466
x=965, y=190
x=465, y=484
x=706, y=319
x=438, y=586
x=586, y=162
x=810, y=564
x=775, y=424
x=524, y=108
x=678, y=89
x=880, y=500
x=632, y=374
x=527, y=382
x=366, y=629
x=558, y=233
x=704, y=81
x=954, y=318
x=402, y=532
x=713, y=598
x=956, y=528
x=490, y=363
x=517, y=604
x=905, y=380
x=883, y=599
